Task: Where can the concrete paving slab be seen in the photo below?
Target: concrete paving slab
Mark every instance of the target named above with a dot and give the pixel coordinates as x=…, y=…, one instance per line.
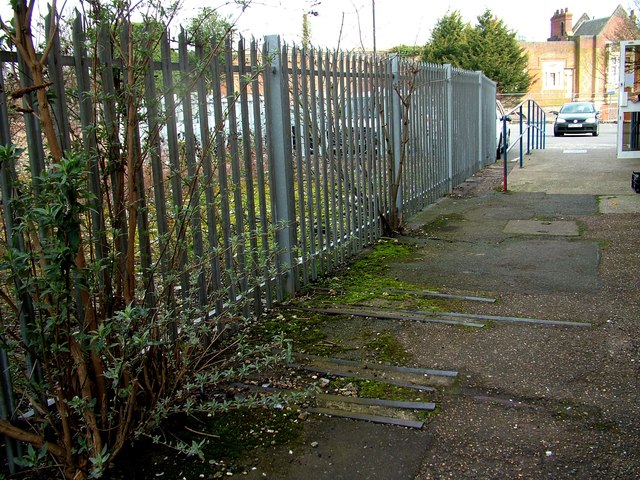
x=596, y=172
x=524, y=265
x=347, y=450
x=539, y=227
x=619, y=203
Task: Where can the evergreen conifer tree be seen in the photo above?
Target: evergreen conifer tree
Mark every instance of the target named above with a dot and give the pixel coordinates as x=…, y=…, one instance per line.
x=490, y=46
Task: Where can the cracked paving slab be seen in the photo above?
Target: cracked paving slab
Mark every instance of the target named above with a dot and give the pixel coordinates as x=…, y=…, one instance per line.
x=541, y=227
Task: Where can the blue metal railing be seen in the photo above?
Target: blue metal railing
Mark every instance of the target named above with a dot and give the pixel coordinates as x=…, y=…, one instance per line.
x=534, y=131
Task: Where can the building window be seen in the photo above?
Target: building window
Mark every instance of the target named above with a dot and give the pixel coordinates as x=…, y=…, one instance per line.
x=553, y=75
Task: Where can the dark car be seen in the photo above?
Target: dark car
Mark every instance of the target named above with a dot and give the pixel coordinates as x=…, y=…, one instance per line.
x=577, y=117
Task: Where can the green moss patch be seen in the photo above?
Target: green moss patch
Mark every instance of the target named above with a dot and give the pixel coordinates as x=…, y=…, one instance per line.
x=443, y=223
x=305, y=330
x=366, y=279
x=388, y=349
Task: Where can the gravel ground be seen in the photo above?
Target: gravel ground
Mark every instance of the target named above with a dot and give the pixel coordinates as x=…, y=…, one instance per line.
x=534, y=401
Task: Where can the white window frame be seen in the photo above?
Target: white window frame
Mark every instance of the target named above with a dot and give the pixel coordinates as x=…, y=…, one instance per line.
x=553, y=73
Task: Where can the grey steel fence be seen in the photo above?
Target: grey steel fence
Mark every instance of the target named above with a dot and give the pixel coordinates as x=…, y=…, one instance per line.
x=259, y=167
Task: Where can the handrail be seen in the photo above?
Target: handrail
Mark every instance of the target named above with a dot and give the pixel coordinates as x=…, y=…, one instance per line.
x=535, y=131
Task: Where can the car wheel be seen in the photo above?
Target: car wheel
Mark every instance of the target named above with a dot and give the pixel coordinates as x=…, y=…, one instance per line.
x=557, y=134
x=499, y=149
x=597, y=132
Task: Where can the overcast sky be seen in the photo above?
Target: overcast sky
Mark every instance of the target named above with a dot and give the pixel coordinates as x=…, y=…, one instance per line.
x=406, y=22
x=401, y=21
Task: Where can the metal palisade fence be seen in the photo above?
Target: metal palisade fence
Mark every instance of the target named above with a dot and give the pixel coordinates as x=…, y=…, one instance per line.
x=229, y=174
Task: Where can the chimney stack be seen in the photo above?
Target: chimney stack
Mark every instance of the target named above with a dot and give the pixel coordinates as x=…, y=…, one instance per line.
x=561, y=25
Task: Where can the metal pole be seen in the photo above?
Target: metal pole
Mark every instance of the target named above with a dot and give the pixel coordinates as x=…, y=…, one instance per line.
x=536, y=120
x=504, y=156
x=278, y=116
x=505, y=140
x=480, y=119
x=528, y=127
x=449, y=121
x=396, y=118
x=521, y=139
x=373, y=8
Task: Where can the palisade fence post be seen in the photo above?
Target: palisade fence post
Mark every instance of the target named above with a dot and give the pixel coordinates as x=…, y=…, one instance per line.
x=480, y=121
x=54, y=62
x=449, y=72
x=13, y=237
x=90, y=142
x=7, y=408
x=7, y=402
x=278, y=119
x=396, y=128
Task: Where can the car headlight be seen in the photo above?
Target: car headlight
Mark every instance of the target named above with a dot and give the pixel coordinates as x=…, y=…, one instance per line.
x=560, y=120
x=590, y=120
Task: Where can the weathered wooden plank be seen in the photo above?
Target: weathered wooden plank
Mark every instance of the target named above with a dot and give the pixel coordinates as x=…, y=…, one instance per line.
x=368, y=418
x=365, y=376
x=377, y=366
x=498, y=318
x=409, y=316
x=377, y=402
x=427, y=293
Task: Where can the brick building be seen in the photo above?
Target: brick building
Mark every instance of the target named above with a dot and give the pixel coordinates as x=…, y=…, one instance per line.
x=579, y=61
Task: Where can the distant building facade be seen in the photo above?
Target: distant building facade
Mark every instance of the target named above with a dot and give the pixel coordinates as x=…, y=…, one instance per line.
x=580, y=60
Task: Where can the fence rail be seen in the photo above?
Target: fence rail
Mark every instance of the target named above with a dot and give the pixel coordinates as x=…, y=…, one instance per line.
x=531, y=132
x=254, y=168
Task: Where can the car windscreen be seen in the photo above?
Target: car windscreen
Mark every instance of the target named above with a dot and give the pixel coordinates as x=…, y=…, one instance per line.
x=577, y=108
